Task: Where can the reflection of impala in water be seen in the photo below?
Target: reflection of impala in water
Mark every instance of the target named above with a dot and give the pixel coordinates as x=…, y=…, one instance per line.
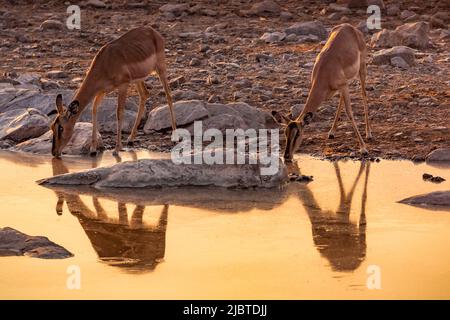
x=127, y=242
x=339, y=240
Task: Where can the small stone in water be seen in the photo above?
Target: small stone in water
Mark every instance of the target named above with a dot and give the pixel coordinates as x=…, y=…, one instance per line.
x=431, y=178
x=299, y=178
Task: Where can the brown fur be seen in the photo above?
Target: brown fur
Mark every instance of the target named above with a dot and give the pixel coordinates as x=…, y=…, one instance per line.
x=341, y=59
x=124, y=61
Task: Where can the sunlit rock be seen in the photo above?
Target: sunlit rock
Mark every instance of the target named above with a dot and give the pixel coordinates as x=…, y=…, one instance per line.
x=148, y=173
x=436, y=200
x=79, y=143
x=413, y=35
x=23, y=124
x=16, y=243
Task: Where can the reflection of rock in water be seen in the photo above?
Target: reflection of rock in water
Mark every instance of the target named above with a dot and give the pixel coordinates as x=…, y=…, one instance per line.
x=126, y=243
x=340, y=241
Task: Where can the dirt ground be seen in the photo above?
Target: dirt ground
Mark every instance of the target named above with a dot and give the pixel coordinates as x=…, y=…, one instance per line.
x=409, y=109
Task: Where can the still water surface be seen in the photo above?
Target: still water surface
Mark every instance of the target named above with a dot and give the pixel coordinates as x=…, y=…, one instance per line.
x=313, y=240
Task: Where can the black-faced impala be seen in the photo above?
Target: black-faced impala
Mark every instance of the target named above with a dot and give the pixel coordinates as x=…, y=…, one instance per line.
x=120, y=63
x=342, y=58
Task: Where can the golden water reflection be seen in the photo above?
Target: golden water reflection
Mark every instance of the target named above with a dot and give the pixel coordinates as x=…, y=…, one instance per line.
x=312, y=240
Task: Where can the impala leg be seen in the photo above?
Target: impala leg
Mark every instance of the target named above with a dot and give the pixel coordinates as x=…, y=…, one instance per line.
x=121, y=99
x=143, y=96
x=97, y=101
x=362, y=77
x=332, y=131
x=162, y=73
x=348, y=108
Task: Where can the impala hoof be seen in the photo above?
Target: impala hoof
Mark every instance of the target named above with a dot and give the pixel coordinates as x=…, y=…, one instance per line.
x=331, y=136
x=130, y=143
x=93, y=153
x=364, y=151
x=115, y=153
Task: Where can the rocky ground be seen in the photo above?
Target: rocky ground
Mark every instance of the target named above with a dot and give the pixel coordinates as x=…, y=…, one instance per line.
x=215, y=54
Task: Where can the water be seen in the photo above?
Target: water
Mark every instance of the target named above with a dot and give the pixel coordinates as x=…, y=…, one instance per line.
x=313, y=240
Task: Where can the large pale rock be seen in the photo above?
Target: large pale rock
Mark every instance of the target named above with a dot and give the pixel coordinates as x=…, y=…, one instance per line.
x=106, y=115
x=437, y=200
x=16, y=243
x=148, y=173
x=79, y=143
x=12, y=98
x=306, y=28
x=384, y=56
x=413, y=35
x=23, y=124
x=439, y=155
x=185, y=112
x=238, y=115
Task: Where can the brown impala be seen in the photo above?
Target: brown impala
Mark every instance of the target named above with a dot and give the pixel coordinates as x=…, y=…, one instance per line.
x=342, y=58
x=127, y=60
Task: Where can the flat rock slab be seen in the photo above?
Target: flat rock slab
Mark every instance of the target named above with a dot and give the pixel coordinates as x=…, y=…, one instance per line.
x=151, y=173
x=16, y=243
x=438, y=155
x=435, y=200
x=79, y=143
x=23, y=124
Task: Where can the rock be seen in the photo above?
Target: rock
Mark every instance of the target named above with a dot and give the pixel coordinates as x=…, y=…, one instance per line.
x=238, y=115
x=28, y=78
x=185, y=95
x=431, y=178
x=362, y=26
x=16, y=243
x=355, y=4
x=333, y=7
x=79, y=143
x=384, y=56
x=263, y=8
x=413, y=35
x=186, y=112
x=52, y=25
x=438, y=155
x=393, y=10
x=57, y=74
x=399, y=62
x=174, y=9
x=293, y=177
x=23, y=124
x=437, y=200
x=12, y=98
x=405, y=14
x=286, y=16
x=151, y=173
x=96, y=4
x=194, y=62
x=271, y=37
x=106, y=115
x=315, y=28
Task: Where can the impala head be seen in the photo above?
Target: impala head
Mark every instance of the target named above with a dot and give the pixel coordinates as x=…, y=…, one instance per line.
x=293, y=132
x=63, y=125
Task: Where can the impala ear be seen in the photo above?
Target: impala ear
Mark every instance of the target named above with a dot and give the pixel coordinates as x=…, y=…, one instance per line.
x=59, y=104
x=279, y=118
x=73, y=107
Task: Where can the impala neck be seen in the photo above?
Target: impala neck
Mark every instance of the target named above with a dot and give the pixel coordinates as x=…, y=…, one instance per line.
x=88, y=90
x=316, y=96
